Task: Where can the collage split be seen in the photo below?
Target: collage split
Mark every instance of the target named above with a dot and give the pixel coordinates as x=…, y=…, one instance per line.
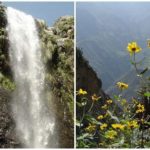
x=75, y=74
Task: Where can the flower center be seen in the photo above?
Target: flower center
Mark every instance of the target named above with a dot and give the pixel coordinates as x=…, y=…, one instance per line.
x=134, y=49
x=122, y=86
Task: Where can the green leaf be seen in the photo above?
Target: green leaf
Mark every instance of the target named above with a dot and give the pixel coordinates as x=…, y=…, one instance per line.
x=92, y=120
x=145, y=70
x=118, y=143
x=78, y=124
x=81, y=104
x=113, y=117
x=147, y=94
x=148, y=123
x=116, y=97
x=83, y=136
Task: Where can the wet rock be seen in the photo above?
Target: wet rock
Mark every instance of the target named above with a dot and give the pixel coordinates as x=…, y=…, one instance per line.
x=3, y=20
x=7, y=126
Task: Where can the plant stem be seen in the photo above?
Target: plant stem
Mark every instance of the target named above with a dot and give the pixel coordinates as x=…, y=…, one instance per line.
x=142, y=139
x=91, y=107
x=135, y=64
x=131, y=138
x=82, y=117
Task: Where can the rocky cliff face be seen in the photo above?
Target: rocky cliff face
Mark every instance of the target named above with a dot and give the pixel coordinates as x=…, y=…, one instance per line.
x=8, y=138
x=7, y=134
x=87, y=79
x=57, y=47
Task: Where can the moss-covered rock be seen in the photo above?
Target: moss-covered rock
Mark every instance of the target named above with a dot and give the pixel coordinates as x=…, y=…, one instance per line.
x=64, y=27
x=58, y=57
x=6, y=83
x=4, y=56
x=2, y=16
x=58, y=47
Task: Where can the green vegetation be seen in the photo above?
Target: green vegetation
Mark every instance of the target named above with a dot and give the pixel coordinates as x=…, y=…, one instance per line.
x=6, y=83
x=5, y=73
x=57, y=44
x=121, y=123
x=64, y=27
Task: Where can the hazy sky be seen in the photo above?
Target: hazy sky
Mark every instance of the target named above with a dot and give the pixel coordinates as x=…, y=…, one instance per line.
x=48, y=11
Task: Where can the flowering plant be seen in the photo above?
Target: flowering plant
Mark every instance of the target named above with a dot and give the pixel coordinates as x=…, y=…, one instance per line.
x=120, y=123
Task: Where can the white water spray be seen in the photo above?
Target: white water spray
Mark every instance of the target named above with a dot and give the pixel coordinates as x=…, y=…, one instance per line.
x=34, y=123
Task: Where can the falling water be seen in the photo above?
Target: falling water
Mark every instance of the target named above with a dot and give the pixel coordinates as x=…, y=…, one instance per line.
x=34, y=123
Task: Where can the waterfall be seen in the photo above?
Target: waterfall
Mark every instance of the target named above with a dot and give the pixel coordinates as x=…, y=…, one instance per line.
x=34, y=123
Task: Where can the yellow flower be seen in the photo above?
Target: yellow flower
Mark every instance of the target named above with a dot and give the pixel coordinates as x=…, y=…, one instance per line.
x=104, y=106
x=90, y=128
x=132, y=124
x=111, y=134
x=81, y=92
x=118, y=126
x=133, y=48
x=109, y=101
x=122, y=85
x=103, y=126
x=95, y=97
x=100, y=117
x=140, y=108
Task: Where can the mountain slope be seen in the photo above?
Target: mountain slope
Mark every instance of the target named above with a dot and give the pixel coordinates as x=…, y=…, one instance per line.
x=103, y=32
